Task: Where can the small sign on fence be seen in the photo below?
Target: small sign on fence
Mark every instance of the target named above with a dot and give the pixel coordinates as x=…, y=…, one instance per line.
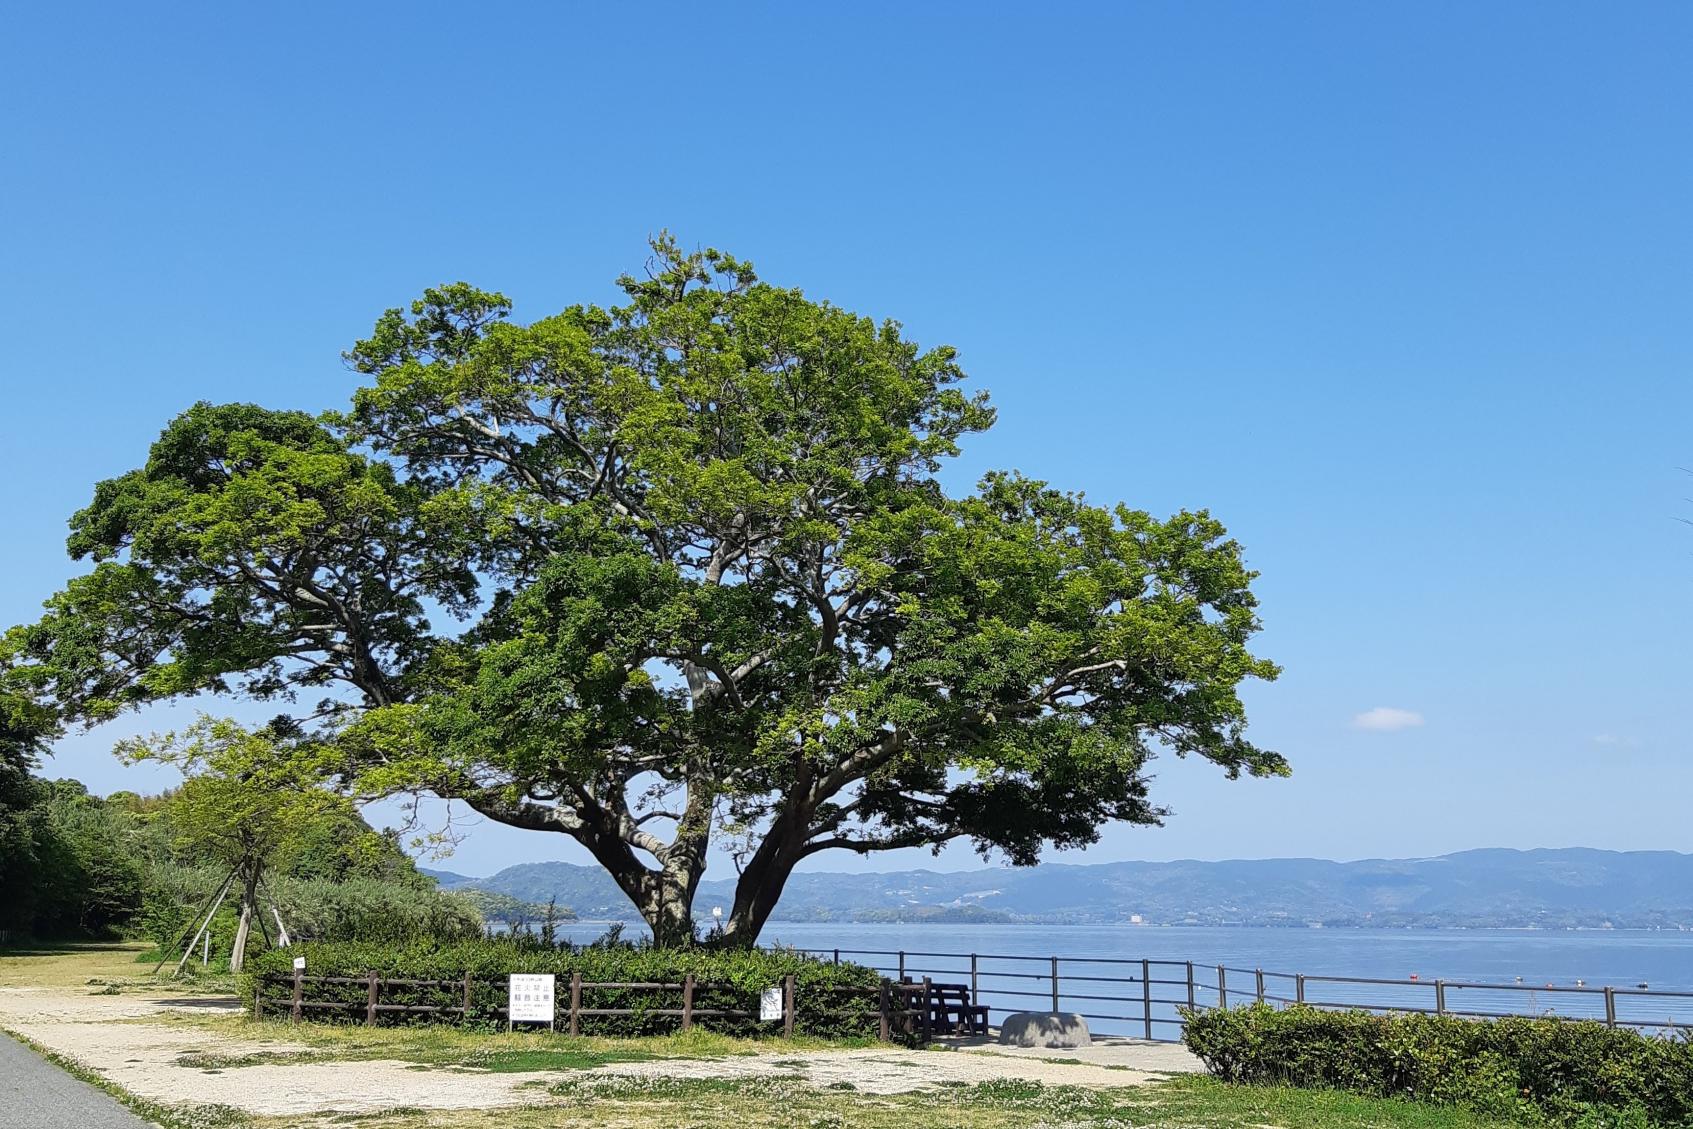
x=299, y=964
x=530, y=999
x=770, y=1005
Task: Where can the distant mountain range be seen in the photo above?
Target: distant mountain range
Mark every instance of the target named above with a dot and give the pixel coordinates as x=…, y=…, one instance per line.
x=1566, y=888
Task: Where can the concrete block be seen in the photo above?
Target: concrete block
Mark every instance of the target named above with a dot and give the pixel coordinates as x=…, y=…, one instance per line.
x=1044, y=1029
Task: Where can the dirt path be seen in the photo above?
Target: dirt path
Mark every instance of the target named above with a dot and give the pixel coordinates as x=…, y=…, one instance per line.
x=112, y=1035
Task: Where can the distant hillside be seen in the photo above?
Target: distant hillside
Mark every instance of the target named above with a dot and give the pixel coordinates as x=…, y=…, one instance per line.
x=1573, y=887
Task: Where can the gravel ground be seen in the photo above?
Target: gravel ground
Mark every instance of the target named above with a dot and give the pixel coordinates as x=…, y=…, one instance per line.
x=142, y=1058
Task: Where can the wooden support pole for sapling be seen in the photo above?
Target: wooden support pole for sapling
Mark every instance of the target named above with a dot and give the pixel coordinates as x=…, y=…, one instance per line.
x=299, y=994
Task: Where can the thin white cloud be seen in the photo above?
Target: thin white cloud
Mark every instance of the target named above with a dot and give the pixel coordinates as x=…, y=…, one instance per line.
x=1385, y=719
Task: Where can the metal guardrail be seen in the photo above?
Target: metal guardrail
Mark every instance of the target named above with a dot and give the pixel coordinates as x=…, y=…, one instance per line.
x=1141, y=996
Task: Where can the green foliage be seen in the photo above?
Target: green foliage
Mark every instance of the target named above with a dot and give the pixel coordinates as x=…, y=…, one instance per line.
x=719, y=592
x=364, y=909
x=68, y=866
x=1534, y=1070
x=390, y=911
x=247, y=793
x=729, y=979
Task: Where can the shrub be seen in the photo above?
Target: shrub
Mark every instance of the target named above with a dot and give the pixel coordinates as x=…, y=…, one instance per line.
x=400, y=911
x=830, y=1000
x=368, y=909
x=1534, y=1070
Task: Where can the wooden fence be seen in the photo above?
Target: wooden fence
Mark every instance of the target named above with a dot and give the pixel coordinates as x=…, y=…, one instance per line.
x=901, y=1010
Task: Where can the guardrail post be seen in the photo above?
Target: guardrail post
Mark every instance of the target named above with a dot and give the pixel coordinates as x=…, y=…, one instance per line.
x=1258, y=975
x=975, y=982
x=299, y=993
x=1610, y=1006
x=1146, y=995
x=1054, y=985
x=687, y=1001
x=1299, y=987
x=575, y=1004
x=1191, y=1002
x=837, y=956
x=1440, y=997
x=1222, y=987
x=370, y=1005
x=902, y=966
x=788, y=1007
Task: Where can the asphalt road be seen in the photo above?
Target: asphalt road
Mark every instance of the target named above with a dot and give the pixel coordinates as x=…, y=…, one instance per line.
x=35, y=1094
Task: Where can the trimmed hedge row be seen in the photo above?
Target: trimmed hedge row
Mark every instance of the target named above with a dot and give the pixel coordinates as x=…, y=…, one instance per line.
x=835, y=1001
x=1534, y=1070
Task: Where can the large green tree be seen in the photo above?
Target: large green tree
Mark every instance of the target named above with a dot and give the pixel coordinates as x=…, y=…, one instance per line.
x=717, y=592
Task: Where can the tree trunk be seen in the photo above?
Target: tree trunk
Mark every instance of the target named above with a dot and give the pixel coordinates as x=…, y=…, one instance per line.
x=249, y=906
x=761, y=884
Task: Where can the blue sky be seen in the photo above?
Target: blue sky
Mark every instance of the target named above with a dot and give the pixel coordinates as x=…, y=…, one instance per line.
x=1401, y=292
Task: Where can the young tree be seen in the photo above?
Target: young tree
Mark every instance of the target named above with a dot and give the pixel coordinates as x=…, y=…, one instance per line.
x=722, y=593
x=246, y=794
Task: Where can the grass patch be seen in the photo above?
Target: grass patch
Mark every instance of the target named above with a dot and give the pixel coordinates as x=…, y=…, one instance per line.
x=106, y=968
x=68, y=965
x=785, y=1102
x=458, y=1048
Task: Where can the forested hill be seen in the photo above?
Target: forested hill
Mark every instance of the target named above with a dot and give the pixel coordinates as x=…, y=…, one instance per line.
x=1549, y=888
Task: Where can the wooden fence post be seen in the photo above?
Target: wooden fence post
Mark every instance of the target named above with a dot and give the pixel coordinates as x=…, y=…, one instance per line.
x=299, y=993
x=688, y=1001
x=923, y=1014
x=259, y=996
x=575, y=1004
x=370, y=1005
x=882, y=1008
x=788, y=1007
x=466, y=1012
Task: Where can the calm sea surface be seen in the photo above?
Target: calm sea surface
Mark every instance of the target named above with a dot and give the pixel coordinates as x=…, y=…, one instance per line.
x=1106, y=985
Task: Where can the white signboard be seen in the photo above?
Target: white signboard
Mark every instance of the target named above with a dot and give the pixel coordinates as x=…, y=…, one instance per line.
x=299, y=964
x=531, y=998
x=770, y=1005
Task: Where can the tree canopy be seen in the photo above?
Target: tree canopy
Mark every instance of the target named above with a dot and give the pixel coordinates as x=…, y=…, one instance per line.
x=712, y=590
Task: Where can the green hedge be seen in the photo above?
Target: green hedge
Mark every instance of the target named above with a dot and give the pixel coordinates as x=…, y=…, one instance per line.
x=1533, y=1070
x=728, y=980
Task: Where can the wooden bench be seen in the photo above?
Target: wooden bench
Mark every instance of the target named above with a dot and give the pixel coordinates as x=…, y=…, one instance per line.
x=947, y=1008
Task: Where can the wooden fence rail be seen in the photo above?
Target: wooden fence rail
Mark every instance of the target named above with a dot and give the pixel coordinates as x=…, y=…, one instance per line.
x=899, y=1009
